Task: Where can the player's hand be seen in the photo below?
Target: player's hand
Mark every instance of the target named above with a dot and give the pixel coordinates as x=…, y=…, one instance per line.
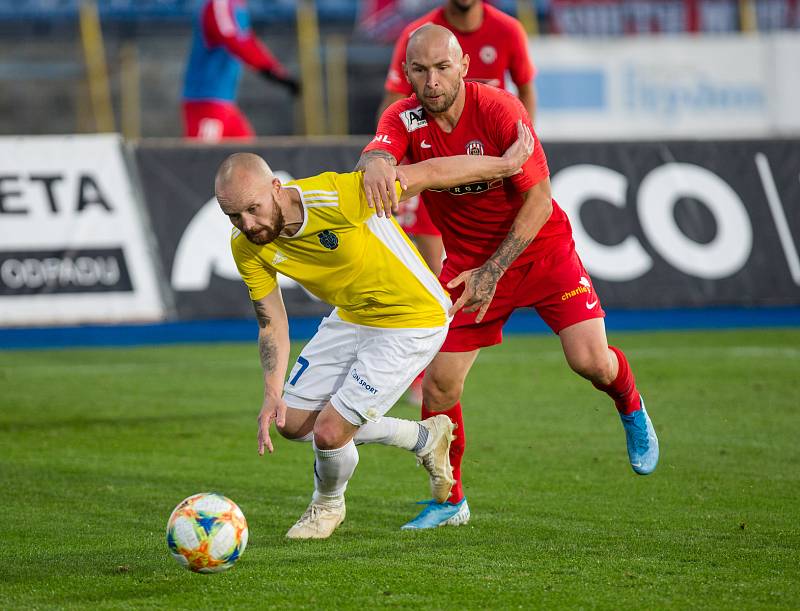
x=517, y=154
x=273, y=408
x=379, y=177
x=480, y=284
x=291, y=84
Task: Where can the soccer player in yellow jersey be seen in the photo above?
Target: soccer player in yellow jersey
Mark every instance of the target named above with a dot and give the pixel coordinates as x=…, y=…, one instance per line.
x=390, y=315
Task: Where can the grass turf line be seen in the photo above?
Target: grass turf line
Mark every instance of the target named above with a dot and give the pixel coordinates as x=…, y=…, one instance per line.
x=97, y=446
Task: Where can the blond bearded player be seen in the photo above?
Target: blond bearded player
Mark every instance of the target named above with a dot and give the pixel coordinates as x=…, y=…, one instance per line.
x=509, y=245
x=390, y=315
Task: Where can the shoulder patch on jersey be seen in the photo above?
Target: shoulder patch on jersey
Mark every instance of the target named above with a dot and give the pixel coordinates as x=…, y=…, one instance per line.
x=413, y=119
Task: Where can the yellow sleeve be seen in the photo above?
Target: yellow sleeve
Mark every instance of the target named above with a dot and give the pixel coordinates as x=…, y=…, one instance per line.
x=260, y=279
x=353, y=200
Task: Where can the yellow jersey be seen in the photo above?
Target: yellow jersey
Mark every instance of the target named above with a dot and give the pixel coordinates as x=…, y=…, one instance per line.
x=343, y=253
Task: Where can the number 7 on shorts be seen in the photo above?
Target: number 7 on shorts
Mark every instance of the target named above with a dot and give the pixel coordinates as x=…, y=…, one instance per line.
x=303, y=366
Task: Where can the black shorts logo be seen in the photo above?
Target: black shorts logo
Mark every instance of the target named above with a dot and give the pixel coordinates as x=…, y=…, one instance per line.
x=328, y=239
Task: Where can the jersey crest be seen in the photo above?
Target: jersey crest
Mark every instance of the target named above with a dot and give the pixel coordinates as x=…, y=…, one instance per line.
x=474, y=147
x=413, y=119
x=328, y=239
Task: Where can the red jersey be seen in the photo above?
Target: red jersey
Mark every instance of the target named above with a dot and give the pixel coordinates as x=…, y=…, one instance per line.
x=499, y=44
x=474, y=219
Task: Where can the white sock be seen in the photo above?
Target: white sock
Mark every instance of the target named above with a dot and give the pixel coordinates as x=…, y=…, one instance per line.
x=332, y=470
x=390, y=432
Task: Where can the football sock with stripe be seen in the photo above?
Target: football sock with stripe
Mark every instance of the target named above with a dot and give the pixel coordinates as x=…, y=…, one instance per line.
x=623, y=389
x=390, y=431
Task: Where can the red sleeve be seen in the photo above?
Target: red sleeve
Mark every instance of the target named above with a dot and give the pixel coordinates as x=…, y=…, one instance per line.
x=222, y=28
x=507, y=111
x=395, y=79
x=520, y=64
x=391, y=135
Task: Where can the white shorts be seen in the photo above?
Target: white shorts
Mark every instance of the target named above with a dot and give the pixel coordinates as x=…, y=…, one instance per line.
x=361, y=370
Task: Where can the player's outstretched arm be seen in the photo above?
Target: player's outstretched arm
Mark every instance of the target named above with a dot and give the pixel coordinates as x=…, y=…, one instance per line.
x=445, y=172
x=273, y=350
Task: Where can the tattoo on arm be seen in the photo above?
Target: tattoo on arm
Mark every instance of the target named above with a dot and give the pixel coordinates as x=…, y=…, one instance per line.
x=267, y=352
x=261, y=314
x=374, y=154
x=509, y=250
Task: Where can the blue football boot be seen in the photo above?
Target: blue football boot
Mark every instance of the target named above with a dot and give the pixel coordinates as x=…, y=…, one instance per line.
x=439, y=514
x=642, y=441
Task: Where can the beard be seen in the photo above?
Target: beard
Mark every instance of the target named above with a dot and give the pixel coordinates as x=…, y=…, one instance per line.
x=263, y=234
x=443, y=103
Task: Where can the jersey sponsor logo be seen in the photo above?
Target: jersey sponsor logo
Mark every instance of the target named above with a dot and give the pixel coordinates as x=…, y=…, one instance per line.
x=328, y=239
x=474, y=147
x=488, y=54
x=362, y=382
x=424, y=145
x=472, y=188
x=413, y=119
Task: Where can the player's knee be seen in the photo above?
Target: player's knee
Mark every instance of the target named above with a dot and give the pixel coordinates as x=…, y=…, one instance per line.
x=328, y=436
x=439, y=394
x=593, y=367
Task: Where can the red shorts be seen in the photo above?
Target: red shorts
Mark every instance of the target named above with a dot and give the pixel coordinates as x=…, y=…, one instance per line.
x=212, y=121
x=414, y=218
x=557, y=285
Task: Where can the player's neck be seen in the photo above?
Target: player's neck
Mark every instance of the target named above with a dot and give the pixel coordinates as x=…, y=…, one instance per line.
x=293, y=212
x=462, y=21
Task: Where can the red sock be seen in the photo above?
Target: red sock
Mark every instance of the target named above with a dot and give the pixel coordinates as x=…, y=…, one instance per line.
x=623, y=388
x=456, y=448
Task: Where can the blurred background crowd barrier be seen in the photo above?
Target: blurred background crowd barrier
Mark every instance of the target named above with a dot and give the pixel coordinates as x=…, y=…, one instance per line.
x=606, y=69
x=671, y=128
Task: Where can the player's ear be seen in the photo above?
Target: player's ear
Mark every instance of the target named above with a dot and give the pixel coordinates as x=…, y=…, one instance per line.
x=464, y=65
x=405, y=72
x=276, y=185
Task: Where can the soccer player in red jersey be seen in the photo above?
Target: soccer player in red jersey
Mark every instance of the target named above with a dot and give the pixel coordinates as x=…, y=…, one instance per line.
x=221, y=41
x=496, y=43
x=508, y=244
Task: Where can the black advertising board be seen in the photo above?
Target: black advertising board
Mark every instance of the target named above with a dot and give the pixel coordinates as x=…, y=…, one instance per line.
x=657, y=224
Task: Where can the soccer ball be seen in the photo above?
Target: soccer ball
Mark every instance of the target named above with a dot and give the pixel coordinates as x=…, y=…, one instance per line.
x=207, y=533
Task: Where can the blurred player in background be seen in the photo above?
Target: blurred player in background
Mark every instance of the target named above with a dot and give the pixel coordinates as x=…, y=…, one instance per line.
x=496, y=43
x=508, y=243
x=389, y=321
x=221, y=41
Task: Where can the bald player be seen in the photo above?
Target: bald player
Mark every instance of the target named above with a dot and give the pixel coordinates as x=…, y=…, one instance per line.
x=509, y=245
x=389, y=318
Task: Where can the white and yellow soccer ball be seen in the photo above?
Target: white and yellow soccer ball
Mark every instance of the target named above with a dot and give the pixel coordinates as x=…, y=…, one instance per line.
x=207, y=533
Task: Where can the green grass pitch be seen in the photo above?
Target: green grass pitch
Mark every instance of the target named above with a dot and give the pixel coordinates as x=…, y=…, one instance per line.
x=97, y=446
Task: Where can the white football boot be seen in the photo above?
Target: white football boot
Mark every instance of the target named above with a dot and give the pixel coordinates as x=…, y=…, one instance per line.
x=435, y=456
x=319, y=521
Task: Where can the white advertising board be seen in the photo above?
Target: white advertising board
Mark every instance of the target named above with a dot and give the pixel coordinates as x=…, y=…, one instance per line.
x=650, y=87
x=72, y=239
